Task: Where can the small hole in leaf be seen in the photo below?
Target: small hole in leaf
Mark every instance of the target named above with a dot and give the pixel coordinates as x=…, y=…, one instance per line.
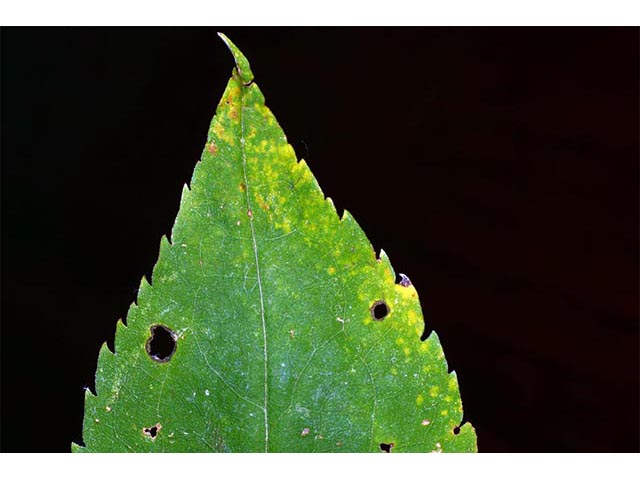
x=379, y=310
x=152, y=431
x=456, y=430
x=386, y=447
x=161, y=345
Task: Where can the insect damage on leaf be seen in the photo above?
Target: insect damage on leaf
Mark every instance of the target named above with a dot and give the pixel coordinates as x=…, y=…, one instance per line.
x=161, y=345
x=271, y=325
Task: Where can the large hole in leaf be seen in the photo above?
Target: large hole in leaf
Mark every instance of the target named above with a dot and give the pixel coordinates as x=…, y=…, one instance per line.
x=386, y=447
x=161, y=345
x=379, y=310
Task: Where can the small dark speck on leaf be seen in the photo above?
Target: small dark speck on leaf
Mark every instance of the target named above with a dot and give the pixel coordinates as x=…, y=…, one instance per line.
x=456, y=430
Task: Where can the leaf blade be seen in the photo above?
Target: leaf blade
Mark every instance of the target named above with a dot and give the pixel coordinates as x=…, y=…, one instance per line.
x=272, y=298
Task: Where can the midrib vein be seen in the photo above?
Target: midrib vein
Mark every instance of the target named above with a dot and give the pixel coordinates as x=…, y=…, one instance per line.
x=255, y=254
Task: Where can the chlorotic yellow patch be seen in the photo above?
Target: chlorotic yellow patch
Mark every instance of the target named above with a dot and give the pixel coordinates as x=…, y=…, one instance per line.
x=453, y=383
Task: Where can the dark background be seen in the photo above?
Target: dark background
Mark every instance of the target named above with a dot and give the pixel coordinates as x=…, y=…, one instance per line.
x=496, y=167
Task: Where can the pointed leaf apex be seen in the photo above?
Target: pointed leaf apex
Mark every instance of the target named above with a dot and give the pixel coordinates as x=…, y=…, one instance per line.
x=242, y=64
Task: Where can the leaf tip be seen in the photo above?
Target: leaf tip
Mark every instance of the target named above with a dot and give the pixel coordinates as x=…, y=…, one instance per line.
x=242, y=64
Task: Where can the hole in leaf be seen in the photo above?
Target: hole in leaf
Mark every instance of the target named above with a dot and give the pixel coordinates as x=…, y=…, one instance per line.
x=379, y=310
x=152, y=432
x=386, y=447
x=161, y=345
x=456, y=430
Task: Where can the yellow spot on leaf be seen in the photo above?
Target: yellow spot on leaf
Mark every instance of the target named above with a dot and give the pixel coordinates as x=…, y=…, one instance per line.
x=453, y=383
x=412, y=318
x=407, y=351
x=331, y=270
x=419, y=400
x=406, y=292
x=433, y=391
x=399, y=341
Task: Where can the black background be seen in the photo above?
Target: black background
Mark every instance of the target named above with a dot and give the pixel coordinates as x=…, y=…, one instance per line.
x=498, y=168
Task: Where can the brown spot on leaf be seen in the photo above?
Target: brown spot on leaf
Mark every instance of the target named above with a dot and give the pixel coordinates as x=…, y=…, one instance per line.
x=243, y=187
x=211, y=147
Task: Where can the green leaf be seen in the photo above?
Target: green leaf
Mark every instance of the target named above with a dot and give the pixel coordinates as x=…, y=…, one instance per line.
x=271, y=326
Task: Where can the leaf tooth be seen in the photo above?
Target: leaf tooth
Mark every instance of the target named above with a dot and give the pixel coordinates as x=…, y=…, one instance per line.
x=330, y=213
x=435, y=346
x=165, y=242
x=177, y=231
x=308, y=174
x=383, y=258
x=76, y=448
x=186, y=190
x=105, y=351
x=145, y=285
x=129, y=319
x=332, y=207
x=106, y=359
x=356, y=236
x=165, y=250
x=119, y=337
x=454, y=392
